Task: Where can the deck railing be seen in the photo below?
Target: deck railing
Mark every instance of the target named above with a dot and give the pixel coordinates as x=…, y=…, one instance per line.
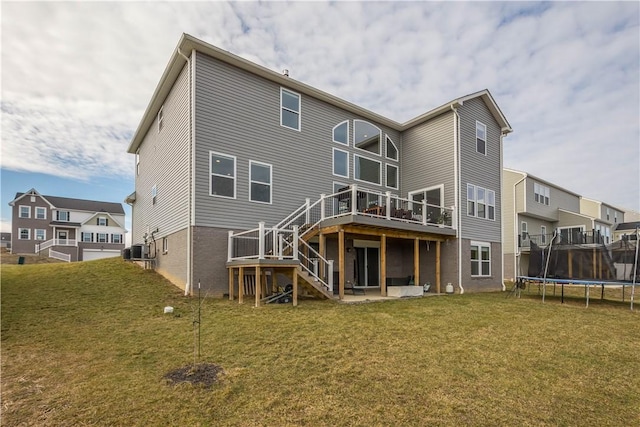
x=55, y=242
x=59, y=255
x=563, y=237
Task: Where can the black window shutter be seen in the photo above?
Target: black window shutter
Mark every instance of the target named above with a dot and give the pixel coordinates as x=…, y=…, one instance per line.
x=97, y=221
x=106, y=221
x=82, y=236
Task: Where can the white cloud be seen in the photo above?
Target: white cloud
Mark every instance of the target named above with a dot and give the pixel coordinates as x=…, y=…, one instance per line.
x=78, y=76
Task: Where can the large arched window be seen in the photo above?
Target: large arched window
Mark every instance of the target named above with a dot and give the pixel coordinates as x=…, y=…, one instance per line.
x=366, y=137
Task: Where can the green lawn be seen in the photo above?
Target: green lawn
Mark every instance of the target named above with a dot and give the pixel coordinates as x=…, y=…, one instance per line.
x=88, y=344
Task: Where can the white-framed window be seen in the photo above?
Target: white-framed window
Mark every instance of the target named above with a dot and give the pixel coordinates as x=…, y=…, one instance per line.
x=367, y=170
x=391, y=150
x=615, y=216
x=481, y=138
x=25, y=211
x=116, y=238
x=102, y=238
x=41, y=212
x=341, y=133
x=154, y=194
x=260, y=182
x=24, y=233
x=480, y=259
x=103, y=221
x=481, y=202
x=524, y=230
x=543, y=235
x=608, y=214
x=541, y=193
x=391, y=174
x=471, y=200
x=340, y=163
x=161, y=118
x=367, y=137
x=86, y=237
x=63, y=216
x=165, y=245
x=289, y=109
x=40, y=234
x=223, y=175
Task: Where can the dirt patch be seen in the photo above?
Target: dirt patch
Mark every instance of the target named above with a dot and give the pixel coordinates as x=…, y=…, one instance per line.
x=206, y=374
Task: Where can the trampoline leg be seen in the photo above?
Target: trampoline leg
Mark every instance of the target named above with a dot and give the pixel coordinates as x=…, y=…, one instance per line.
x=587, y=286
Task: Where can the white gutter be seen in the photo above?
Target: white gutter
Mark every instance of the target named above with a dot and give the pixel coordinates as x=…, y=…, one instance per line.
x=504, y=287
x=188, y=284
x=456, y=177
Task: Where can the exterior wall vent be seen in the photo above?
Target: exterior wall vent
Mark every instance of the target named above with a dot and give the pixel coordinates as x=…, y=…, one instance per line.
x=285, y=72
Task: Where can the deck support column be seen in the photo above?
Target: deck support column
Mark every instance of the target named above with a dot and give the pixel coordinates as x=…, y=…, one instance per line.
x=570, y=264
x=295, y=286
x=416, y=262
x=438, y=266
x=231, y=280
x=322, y=246
x=341, y=263
x=594, y=262
x=240, y=285
x=383, y=265
x=258, y=285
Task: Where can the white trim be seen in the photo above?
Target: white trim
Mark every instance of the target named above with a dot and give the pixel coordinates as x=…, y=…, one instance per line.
x=333, y=130
x=386, y=154
x=106, y=237
x=44, y=234
x=485, y=202
x=386, y=176
x=480, y=245
x=35, y=216
x=20, y=211
x=524, y=229
x=20, y=233
x=165, y=245
x=333, y=164
x=251, y=181
x=32, y=192
x=543, y=234
x=379, y=153
x=235, y=173
x=367, y=158
x=299, y=112
x=160, y=118
x=569, y=227
x=486, y=148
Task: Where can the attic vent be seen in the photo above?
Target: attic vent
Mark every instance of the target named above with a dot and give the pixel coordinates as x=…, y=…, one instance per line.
x=285, y=72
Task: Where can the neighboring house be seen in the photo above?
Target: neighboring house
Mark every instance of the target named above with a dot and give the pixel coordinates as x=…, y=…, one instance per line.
x=226, y=144
x=534, y=209
x=626, y=230
x=5, y=240
x=631, y=216
x=64, y=228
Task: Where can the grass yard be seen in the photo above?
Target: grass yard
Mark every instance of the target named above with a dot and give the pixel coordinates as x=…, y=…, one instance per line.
x=88, y=344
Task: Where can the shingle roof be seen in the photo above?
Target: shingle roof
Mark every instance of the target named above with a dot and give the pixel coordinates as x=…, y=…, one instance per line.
x=628, y=225
x=83, y=205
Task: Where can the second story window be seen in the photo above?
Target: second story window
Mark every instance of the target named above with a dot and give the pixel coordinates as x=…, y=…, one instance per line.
x=481, y=138
x=289, y=109
x=541, y=193
x=390, y=149
x=341, y=133
x=25, y=212
x=366, y=136
x=62, y=216
x=154, y=195
x=260, y=182
x=340, y=163
x=481, y=202
x=41, y=213
x=223, y=175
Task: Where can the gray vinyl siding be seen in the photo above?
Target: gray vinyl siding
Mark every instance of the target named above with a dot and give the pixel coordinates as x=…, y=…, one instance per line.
x=164, y=162
x=428, y=157
x=479, y=169
x=558, y=199
x=238, y=114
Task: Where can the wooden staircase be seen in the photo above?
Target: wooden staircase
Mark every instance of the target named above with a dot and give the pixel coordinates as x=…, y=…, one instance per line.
x=313, y=285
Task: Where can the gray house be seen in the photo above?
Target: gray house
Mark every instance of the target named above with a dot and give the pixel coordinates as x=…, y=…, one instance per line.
x=246, y=178
x=66, y=228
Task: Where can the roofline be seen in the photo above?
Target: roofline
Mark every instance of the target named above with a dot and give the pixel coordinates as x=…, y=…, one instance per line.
x=188, y=43
x=28, y=193
x=544, y=181
x=103, y=213
x=604, y=203
x=579, y=214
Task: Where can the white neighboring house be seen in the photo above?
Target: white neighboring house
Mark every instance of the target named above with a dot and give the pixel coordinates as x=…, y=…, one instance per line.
x=65, y=228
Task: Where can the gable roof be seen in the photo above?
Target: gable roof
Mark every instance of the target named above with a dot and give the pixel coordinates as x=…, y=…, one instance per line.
x=98, y=214
x=32, y=192
x=542, y=181
x=76, y=204
x=188, y=43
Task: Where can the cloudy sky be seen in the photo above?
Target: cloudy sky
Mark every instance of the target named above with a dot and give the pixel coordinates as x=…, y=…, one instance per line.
x=77, y=77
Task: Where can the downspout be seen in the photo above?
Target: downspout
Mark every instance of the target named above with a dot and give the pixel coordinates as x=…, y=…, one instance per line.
x=504, y=287
x=188, y=285
x=456, y=177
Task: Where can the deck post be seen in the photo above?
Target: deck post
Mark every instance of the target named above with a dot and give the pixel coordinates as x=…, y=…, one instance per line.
x=388, y=205
x=354, y=199
x=231, y=273
x=383, y=265
x=261, y=240
x=416, y=262
x=258, y=285
x=424, y=211
x=230, y=246
x=295, y=286
x=330, y=272
x=438, y=266
x=341, y=272
x=322, y=205
x=240, y=285
x=307, y=217
x=295, y=242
